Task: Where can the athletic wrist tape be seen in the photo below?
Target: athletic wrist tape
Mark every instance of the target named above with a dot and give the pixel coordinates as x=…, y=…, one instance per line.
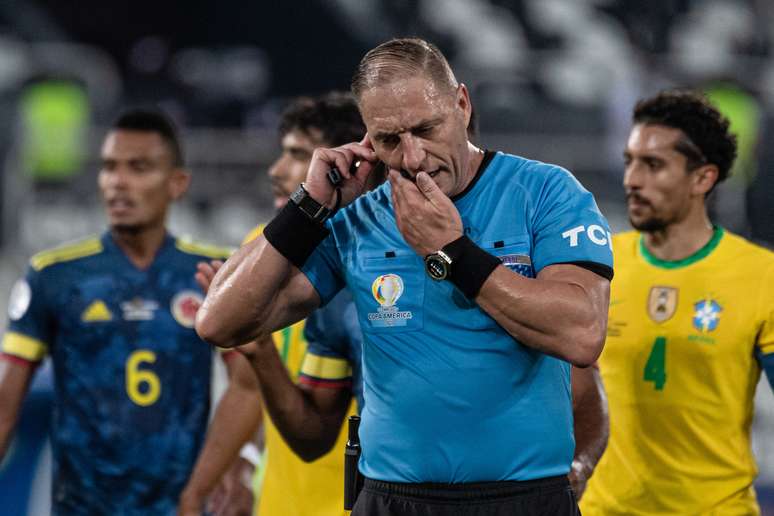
x=294, y=234
x=471, y=265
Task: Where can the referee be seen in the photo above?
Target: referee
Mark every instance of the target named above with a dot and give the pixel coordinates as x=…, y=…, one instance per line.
x=478, y=277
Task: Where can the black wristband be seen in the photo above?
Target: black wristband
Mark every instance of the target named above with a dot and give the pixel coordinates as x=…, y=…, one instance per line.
x=294, y=234
x=471, y=265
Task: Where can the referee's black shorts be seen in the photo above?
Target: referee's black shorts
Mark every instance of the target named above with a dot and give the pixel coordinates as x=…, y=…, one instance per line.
x=551, y=496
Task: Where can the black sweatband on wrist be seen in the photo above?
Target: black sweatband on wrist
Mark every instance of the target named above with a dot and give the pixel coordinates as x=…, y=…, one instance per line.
x=471, y=265
x=294, y=234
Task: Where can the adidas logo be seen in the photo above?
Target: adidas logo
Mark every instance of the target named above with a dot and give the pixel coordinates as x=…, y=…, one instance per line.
x=96, y=312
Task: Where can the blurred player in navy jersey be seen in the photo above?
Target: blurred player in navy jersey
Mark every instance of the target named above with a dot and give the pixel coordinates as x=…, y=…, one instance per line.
x=116, y=315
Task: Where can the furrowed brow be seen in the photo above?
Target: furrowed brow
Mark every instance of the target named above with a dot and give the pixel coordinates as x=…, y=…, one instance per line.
x=382, y=135
x=427, y=124
x=423, y=125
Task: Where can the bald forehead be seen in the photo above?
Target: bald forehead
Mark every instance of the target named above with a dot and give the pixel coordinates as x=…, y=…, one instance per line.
x=403, y=105
x=410, y=85
x=389, y=71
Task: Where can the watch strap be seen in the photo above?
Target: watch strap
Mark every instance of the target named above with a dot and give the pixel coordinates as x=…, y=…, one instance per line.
x=314, y=210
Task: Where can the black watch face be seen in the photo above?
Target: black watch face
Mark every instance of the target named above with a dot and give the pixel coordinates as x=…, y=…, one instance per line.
x=436, y=267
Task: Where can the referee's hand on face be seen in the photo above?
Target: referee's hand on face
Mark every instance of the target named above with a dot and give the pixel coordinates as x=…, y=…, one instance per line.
x=343, y=158
x=426, y=217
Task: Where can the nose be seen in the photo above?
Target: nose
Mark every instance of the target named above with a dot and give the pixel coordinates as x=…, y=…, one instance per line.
x=276, y=168
x=413, y=153
x=633, y=177
x=117, y=178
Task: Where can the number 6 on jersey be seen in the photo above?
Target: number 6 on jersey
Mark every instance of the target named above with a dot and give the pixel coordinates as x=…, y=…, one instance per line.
x=135, y=377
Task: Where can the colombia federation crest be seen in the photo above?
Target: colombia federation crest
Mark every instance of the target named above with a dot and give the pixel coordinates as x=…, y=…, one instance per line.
x=184, y=307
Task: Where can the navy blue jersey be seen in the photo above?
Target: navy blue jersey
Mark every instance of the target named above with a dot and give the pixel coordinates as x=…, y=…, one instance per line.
x=335, y=346
x=132, y=378
x=450, y=396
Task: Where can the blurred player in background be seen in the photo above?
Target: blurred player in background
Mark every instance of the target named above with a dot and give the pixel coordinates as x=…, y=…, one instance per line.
x=691, y=326
x=116, y=315
x=322, y=367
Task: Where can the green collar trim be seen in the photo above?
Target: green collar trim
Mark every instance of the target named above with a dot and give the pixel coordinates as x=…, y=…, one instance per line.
x=702, y=253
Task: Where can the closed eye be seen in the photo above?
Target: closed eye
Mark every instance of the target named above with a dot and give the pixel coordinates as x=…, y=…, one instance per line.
x=388, y=140
x=653, y=163
x=424, y=130
x=140, y=165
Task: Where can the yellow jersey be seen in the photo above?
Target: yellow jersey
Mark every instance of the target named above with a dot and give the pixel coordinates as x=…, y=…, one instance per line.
x=680, y=370
x=292, y=487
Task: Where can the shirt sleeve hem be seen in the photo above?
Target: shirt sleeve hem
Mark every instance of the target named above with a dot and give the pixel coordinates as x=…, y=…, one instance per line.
x=324, y=383
x=601, y=269
x=23, y=346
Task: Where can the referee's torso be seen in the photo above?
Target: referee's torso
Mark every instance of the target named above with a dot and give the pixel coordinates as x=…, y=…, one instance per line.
x=449, y=395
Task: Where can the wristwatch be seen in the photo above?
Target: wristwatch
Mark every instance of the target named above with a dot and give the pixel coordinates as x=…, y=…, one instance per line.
x=314, y=210
x=438, y=265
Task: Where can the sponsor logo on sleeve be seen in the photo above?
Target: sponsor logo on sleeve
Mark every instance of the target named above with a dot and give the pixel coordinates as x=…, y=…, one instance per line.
x=184, y=307
x=387, y=289
x=595, y=234
x=19, y=301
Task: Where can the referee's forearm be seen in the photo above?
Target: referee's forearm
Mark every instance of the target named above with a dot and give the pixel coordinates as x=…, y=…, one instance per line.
x=237, y=307
x=557, y=317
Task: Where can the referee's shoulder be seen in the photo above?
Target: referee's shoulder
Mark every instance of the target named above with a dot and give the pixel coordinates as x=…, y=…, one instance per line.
x=529, y=170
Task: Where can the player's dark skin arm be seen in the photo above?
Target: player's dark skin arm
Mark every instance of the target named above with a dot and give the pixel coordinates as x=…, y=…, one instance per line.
x=15, y=378
x=592, y=428
x=236, y=420
x=309, y=418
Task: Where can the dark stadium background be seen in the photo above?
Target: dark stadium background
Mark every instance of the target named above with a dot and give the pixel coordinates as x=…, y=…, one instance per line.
x=550, y=79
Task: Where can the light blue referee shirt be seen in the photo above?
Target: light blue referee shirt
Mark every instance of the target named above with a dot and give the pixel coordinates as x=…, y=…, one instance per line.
x=449, y=395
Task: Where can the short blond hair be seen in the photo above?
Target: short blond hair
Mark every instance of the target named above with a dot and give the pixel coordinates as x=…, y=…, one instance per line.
x=402, y=58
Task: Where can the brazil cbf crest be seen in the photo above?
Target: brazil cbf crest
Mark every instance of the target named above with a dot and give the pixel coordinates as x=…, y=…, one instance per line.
x=386, y=290
x=706, y=315
x=184, y=307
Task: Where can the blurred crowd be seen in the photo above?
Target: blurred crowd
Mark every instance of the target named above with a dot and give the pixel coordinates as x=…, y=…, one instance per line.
x=551, y=79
